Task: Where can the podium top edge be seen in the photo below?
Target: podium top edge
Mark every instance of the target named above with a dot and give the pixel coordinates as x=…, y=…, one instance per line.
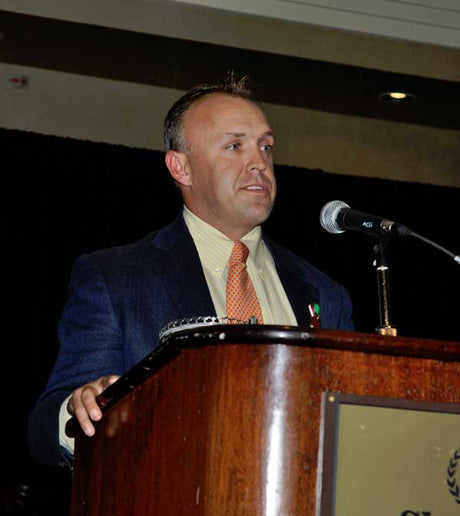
x=304, y=336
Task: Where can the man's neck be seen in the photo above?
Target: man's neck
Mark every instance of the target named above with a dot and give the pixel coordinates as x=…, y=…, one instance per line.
x=231, y=233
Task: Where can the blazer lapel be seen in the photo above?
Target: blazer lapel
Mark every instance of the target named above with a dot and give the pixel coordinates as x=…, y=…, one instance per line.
x=179, y=264
x=298, y=290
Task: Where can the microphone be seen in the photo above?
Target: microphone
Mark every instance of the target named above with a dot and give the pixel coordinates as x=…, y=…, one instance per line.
x=337, y=216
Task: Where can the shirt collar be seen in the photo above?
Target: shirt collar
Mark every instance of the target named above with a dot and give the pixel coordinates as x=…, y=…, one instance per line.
x=213, y=246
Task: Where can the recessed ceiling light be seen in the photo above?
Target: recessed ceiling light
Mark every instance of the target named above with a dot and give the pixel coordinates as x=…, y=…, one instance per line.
x=397, y=97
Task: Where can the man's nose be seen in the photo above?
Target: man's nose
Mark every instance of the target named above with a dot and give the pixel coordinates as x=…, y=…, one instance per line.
x=258, y=160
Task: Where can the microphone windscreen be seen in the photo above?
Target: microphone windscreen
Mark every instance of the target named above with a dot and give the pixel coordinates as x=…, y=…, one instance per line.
x=328, y=216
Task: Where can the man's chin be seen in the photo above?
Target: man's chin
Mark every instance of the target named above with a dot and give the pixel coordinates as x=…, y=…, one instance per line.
x=258, y=215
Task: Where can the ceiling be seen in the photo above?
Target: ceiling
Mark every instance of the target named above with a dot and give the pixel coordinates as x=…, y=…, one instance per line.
x=426, y=21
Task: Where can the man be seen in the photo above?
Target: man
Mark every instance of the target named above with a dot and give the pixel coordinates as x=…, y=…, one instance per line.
x=219, y=150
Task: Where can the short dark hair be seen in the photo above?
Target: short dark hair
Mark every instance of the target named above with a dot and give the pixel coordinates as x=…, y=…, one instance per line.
x=173, y=133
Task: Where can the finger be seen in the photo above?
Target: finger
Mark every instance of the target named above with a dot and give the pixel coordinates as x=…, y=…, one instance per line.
x=77, y=409
x=84, y=421
x=88, y=399
x=106, y=381
x=83, y=404
x=85, y=407
x=90, y=393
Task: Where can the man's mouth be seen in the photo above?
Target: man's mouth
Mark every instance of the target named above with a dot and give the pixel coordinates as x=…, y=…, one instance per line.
x=255, y=188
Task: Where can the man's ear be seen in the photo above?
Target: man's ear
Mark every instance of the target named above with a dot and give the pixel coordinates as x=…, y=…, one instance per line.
x=177, y=164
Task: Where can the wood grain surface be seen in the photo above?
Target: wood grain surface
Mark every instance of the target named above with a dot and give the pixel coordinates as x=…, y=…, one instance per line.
x=227, y=427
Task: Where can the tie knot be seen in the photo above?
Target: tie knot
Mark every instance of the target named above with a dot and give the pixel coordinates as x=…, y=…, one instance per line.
x=240, y=253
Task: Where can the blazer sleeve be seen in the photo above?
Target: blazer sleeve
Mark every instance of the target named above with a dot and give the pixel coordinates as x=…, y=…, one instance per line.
x=91, y=347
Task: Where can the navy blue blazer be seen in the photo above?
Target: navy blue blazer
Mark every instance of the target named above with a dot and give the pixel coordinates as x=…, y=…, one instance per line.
x=120, y=298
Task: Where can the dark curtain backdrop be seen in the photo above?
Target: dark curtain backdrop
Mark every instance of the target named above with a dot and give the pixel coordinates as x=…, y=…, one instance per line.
x=64, y=197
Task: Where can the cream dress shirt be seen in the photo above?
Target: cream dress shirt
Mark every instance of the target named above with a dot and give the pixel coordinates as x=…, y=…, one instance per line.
x=214, y=250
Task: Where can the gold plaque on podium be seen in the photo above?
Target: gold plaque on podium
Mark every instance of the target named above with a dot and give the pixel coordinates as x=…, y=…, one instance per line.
x=388, y=457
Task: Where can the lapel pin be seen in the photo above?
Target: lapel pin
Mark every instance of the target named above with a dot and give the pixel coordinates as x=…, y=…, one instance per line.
x=314, y=311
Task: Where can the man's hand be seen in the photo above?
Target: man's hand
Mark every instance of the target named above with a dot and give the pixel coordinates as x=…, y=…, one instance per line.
x=82, y=403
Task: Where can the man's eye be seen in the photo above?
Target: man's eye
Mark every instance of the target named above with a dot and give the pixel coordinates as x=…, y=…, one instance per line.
x=234, y=146
x=267, y=148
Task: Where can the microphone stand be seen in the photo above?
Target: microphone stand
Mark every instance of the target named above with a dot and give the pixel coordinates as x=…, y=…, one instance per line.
x=381, y=265
x=337, y=216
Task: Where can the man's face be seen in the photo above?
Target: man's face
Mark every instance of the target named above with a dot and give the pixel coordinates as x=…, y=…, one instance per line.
x=230, y=182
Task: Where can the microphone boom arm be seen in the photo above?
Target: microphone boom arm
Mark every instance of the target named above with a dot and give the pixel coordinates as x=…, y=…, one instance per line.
x=455, y=257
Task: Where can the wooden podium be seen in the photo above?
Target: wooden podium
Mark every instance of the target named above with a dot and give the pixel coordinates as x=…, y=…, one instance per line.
x=227, y=420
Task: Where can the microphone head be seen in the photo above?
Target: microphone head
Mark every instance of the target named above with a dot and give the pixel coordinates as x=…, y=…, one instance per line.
x=328, y=216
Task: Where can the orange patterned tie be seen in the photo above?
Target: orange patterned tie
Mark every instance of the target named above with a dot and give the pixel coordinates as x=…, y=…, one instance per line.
x=242, y=302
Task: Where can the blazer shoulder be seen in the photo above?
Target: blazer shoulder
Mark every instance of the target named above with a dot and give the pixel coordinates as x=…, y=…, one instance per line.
x=137, y=253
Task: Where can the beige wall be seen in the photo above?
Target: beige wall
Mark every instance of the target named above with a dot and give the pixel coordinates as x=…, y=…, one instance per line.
x=132, y=114
x=364, y=147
